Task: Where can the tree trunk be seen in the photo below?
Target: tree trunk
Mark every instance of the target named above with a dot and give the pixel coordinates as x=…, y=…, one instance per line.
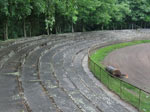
x=72, y=28
x=6, y=31
x=83, y=28
x=60, y=30
x=121, y=26
x=30, y=29
x=102, y=28
x=141, y=24
x=48, y=31
x=113, y=27
x=132, y=27
x=56, y=29
x=24, y=28
x=144, y=25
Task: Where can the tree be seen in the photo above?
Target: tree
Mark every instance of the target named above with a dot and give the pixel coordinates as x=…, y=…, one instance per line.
x=50, y=15
x=71, y=12
x=37, y=14
x=85, y=7
x=5, y=14
x=59, y=16
x=23, y=10
x=140, y=10
x=102, y=13
x=120, y=13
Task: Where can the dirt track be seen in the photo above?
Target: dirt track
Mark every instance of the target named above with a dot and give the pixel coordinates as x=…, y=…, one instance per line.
x=134, y=61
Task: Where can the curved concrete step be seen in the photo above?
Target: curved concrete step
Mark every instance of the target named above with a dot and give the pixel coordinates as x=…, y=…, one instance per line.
x=45, y=73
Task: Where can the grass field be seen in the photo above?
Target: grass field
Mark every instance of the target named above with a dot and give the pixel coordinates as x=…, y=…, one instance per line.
x=130, y=93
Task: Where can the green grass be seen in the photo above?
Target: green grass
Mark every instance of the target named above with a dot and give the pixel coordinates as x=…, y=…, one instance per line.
x=100, y=54
x=126, y=91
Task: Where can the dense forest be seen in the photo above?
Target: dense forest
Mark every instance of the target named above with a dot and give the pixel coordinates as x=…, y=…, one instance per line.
x=25, y=18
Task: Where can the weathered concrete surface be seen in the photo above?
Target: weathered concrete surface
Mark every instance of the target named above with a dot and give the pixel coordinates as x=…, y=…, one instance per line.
x=45, y=74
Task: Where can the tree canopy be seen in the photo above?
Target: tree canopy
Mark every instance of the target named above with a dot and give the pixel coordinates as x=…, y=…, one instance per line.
x=22, y=18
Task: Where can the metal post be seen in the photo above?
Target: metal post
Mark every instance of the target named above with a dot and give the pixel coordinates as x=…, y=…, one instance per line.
x=108, y=80
x=100, y=72
x=120, y=88
x=89, y=65
x=139, y=99
x=88, y=62
x=94, y=68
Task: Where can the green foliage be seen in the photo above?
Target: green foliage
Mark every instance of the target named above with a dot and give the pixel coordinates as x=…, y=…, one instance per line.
x=121, y=11
x=38, y=6
x=71, y=11
x=4, y=11
x=23, y=9
x=50, y=22
x=141, y=12
x=58, y=16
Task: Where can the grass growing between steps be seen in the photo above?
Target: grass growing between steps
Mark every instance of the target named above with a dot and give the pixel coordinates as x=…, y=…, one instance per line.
x=4, y=43
x=129, y=93
x=9, y=40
